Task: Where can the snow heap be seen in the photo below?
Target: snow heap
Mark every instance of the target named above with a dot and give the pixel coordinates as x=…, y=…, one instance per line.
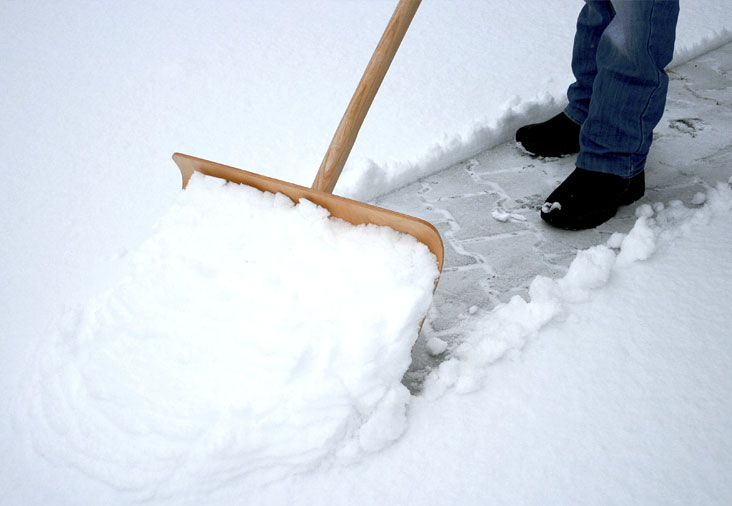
x=249, y=338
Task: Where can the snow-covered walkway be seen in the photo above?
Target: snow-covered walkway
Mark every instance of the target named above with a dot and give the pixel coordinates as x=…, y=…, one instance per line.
x=611, y=385
x=487, y=208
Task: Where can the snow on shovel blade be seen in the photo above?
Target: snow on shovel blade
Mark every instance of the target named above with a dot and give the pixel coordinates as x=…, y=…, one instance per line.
x=352, y=211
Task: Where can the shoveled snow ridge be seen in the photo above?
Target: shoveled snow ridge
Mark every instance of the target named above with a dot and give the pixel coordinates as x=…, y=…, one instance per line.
x=509, y=327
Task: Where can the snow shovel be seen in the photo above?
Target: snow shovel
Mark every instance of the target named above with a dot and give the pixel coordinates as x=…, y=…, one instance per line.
x=352, y=211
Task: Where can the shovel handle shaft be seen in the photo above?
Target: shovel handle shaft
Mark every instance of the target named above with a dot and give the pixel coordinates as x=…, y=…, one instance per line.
x=347, y=131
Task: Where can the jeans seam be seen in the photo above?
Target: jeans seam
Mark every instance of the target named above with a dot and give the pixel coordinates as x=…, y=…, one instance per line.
x=658, y=83
x=610, y=7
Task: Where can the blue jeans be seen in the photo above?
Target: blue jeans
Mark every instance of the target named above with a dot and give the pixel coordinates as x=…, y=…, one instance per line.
x=620, y=51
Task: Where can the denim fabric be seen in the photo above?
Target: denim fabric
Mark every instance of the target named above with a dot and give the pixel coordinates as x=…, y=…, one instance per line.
x=621, y=48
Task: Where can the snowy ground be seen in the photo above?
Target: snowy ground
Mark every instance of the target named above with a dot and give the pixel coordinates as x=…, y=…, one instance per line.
x=487, y=207
x=606, y=381
x=611, y=385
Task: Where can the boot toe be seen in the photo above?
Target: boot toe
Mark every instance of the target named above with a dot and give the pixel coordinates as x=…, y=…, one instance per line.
x=556, y=137
x=587, y=199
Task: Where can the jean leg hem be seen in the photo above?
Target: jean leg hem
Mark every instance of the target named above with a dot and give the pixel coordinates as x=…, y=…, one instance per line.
x=625, y=166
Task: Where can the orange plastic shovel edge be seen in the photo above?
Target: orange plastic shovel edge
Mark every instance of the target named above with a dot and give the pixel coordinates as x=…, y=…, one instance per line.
x=349, y=210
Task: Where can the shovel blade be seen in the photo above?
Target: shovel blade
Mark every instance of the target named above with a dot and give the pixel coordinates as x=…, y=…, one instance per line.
x=352, y=211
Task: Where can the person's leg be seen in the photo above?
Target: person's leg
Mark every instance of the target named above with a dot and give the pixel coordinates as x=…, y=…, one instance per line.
x=559, y=135
x=626, y=103
x=629, y=91
x=593, y=19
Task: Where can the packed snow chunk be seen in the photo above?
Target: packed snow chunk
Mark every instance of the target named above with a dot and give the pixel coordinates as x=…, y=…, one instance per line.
x=250, y=338
x=436, y=346
x=640, y=243
x=548, y=207
x=699, y=198
x=616, y=240
x=589, y=271
x=504, y=216
x=499, y=215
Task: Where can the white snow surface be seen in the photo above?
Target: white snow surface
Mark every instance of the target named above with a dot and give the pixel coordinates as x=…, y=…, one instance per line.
x=609, y=385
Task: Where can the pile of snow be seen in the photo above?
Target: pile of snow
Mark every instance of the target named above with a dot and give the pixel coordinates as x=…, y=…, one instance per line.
x=250, y=338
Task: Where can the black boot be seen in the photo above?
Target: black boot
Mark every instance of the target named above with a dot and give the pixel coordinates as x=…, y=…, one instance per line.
x=587, y=199
x=558, y=136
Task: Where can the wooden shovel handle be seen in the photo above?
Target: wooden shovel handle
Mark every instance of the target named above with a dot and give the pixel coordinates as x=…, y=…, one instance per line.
x=345, y=135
